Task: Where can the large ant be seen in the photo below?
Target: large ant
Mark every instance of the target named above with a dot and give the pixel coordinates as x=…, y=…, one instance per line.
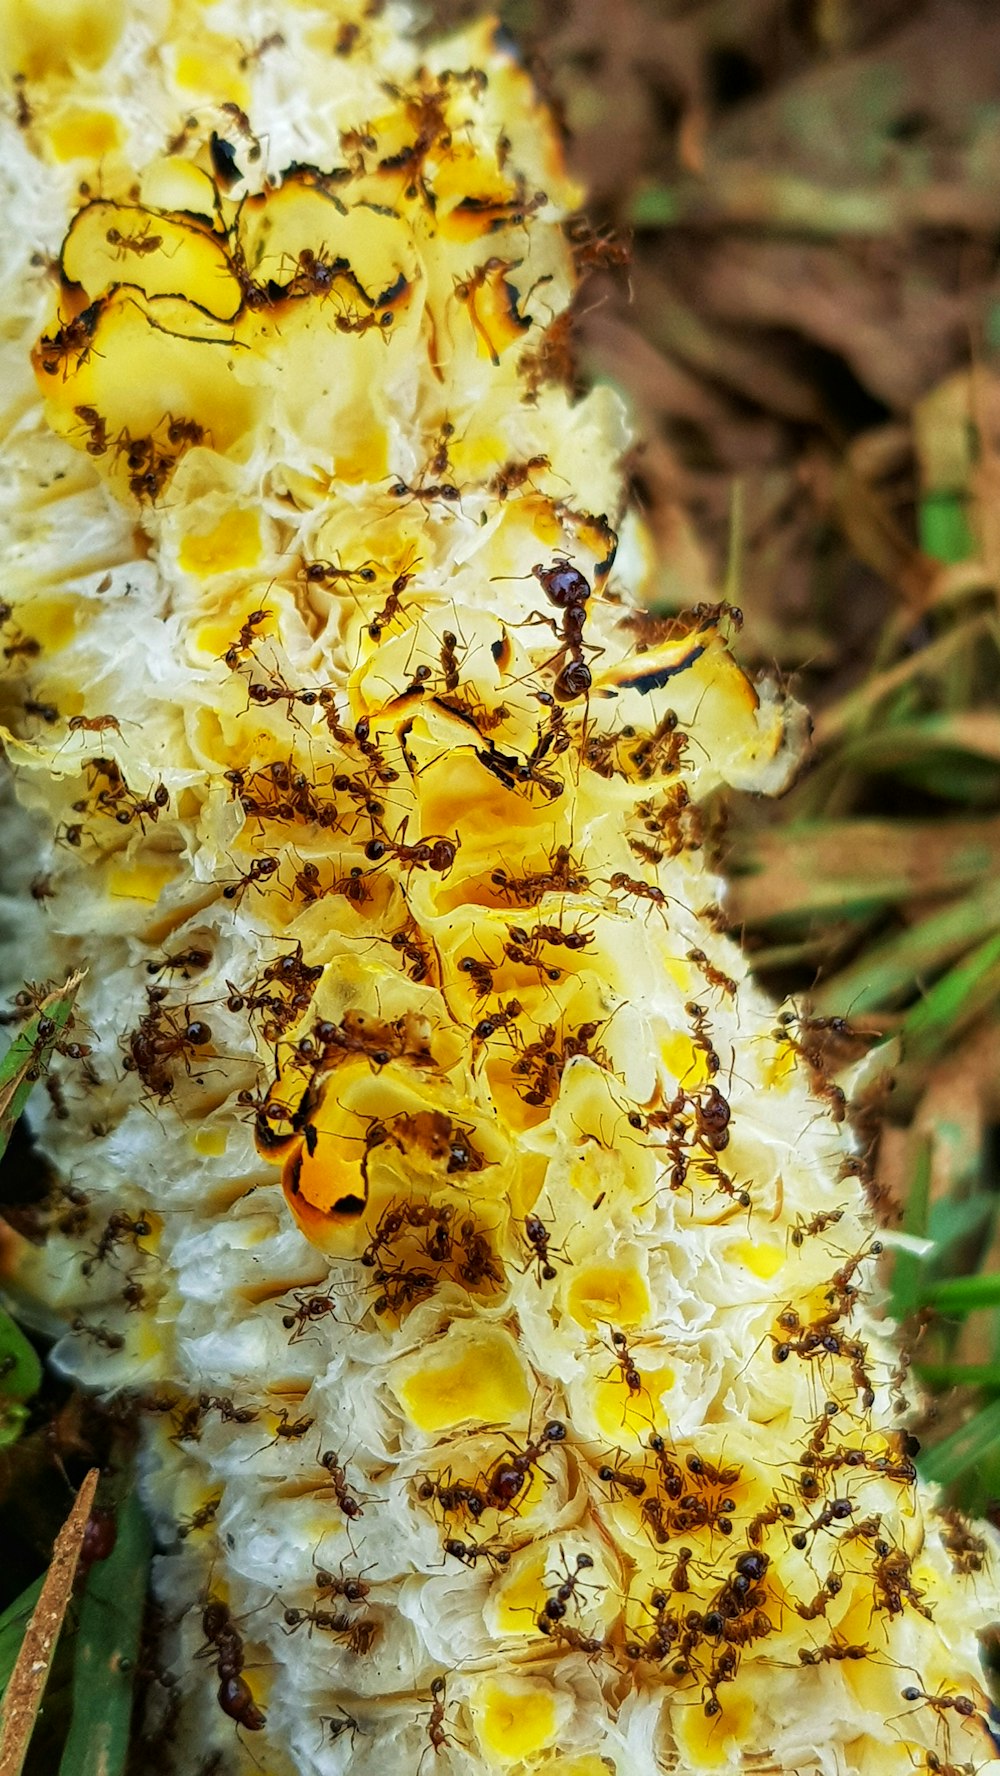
x=161, y=1036
x=565, y=587
x=235, y=1696
x=261, y=868
x=436, y=853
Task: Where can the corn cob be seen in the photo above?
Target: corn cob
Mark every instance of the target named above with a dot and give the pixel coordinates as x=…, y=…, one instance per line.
x=489, y=1264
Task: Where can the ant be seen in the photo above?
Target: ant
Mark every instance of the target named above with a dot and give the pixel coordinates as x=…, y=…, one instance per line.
x=338, y=1480
x=964, y=1706
x=289, y=1430
x=96, y=427
x=308, y=1309
x=139, y=244
x=234, y=1693
x=352, y=1590
x=480, y=974
x=184, y=431
x=623, y=1357
x=833, y=1651
x=616, y=1476
x=228, y=1412
x=714, y=976
x=159, y=1038
x=804, y=1230
x=74, y=338
x=245, y=640
x=555, y=1606
x=94, y=724
x=513, y=475
x=508, y=1474
x=120, y=1226
x=565, y=587
x=261, y=868
x=469, y=1552
x=201, y=1518
x=183, y=962
x=621, y=883
x=325, y=573
x=539, y=1239
x=100, y=1335
x=467, y=289
x=437, y=853
x=435, y=1726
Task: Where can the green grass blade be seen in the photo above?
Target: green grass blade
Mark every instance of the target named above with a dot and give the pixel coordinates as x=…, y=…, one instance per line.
x=972, y=1444
x=30, y=1052
x=106, y=1649
x=886, y=971
x=908, y=1267
x=952, y=1002
x=957, y=1295
x=985, y=1375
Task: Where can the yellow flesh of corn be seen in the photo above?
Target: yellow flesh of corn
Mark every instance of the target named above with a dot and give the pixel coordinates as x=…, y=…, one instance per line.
x=487, y=1257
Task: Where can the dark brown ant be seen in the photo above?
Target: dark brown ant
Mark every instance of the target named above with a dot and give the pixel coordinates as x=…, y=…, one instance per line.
x=96, y=427
x=824, y=1596
x=508, y=1474
x=623, y=1357
x=23, y=647
x=565, y=587
x=183, y=962
x=435, y=853
x=41, y=888
x=501, y=1019
x=289, y=1430
x=470, y=1552
x=162, y=1036
x=234, y=1694
x=185, y=431
x=201, y=1518
x=410, y=943
x=352, y=1590
x=449, y=661
x=328, y=573
x=73, y=339
x=228, y=1411
x=349, y=1505
x=619, y=1478
x=358, y=1635
x=261, y=869
x=139, y=244
x=565, y=1592
x=775, y=1512
x=308, y=1309
x=480, y=973
x=442, y=490
x=539, y=1239
x=119, y=1227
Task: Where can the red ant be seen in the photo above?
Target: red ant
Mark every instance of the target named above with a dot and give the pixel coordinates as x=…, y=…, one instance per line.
x=437, y=853
x=139, y=244
x=435, y=1726
x=245, y=640
x=391, y=608
x=467, y=289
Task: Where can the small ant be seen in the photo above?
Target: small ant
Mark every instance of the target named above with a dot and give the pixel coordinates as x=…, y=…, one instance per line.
x=480, y=973
x=183, y=962
x=201, y=1518
x=96, y=427
x=245, y=640
x=555, y=1606
x=539, y=1239
x=289, y=1429
x=308, y=1309
x=338, y=1480
x=329, y=573
x=120, y=1226
x=139, y=244
x=623, y=1357
x=94, y=724
x=261, y=868
x=100, y=1335
x=435, y=1726
x=618, y=1477
x=714, y=976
